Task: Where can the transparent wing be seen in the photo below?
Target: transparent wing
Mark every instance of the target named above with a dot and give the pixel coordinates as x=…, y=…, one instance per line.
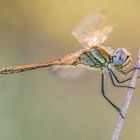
x=100, y=36
x=84, y=30
x=67, y=71
x=87, y=32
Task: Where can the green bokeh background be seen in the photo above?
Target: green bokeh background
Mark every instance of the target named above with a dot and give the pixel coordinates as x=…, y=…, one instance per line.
x=37, y=106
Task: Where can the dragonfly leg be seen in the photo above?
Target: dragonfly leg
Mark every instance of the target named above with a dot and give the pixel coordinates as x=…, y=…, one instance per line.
x=125, y=73
x=113, y=83
x=110, y=102
x=116, y=78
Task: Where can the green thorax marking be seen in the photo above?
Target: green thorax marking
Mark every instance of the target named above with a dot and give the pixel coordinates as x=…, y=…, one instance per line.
x=92, y=59
x=95, y=54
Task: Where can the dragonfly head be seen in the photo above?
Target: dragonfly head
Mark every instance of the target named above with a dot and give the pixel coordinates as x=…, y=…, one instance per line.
x=121, y=57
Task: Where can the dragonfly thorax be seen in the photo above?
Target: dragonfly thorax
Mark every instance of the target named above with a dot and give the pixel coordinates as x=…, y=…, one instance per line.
x=93, y=58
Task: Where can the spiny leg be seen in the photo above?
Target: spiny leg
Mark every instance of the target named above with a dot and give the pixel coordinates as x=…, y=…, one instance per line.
x=116, y=78
x=131, y=70
x=113, y=83
x=110, y=102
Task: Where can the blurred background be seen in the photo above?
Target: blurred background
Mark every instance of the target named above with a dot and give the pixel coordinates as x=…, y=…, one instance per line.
x=37, y=106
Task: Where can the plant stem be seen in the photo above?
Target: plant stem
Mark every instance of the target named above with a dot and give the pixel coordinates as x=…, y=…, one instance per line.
x=127, y=100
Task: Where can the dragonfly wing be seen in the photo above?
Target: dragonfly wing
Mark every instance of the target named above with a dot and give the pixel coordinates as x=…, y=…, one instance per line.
x=84, y=30
x=100, y=36
x=67, y=71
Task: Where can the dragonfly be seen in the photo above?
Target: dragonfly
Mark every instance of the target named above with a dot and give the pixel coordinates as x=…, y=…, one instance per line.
x=93, y=55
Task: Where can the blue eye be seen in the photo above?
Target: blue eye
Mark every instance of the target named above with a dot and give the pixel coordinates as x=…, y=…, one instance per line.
x=117, y=60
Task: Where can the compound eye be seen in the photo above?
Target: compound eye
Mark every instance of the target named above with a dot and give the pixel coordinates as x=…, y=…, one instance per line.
x=120, y=56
